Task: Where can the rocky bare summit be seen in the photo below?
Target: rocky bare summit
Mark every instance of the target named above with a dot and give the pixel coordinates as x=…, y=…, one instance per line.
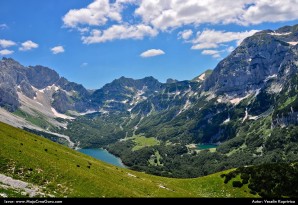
x=263, y=56
x=16, y=78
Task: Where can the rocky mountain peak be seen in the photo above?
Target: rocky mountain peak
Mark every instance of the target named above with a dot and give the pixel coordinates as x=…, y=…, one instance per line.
x=255, y=60
x=17, y=81
x=10, y=62
x=41, y=77
x=170, y=80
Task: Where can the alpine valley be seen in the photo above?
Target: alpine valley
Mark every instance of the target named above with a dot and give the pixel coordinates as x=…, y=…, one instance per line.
x=247, y=108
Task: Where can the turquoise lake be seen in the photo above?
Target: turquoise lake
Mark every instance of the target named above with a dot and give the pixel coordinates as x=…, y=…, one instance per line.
x=206, y=146
x=103, y=155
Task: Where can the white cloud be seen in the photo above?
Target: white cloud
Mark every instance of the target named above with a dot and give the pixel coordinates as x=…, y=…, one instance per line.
x=217, y=55
x=186, y=34
x=104, y=20
x=175, y=13
x=152, y=52
x=167, y=14
x=3, y=26
x=6, y=43
x=119, y=32
x=204, y=45
x=95, y=14
x=213, y=53
x=270, y=11
x=28, y=45
x=6, y=52
x=211, y=37
x=209, y=52
x=57, y=49
x=208, y=39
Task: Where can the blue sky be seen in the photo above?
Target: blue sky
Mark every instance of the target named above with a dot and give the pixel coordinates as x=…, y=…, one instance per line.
x=92, y=42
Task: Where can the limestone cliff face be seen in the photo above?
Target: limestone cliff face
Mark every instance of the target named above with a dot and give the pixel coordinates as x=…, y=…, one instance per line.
x=265, y=55
x=11, y=73
x=41, y=77
x=124, y=93
x=16, y=78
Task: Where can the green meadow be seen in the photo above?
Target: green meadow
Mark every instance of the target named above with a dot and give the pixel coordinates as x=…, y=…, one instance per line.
x=62, y=172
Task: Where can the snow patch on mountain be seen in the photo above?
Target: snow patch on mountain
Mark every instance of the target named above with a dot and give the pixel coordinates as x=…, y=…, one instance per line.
x=293, y=43
x=57, y=114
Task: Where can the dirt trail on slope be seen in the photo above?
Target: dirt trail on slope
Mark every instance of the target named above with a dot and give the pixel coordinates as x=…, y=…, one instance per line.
x=30, y=189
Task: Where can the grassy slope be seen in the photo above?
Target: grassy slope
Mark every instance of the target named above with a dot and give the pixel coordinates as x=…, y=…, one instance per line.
x=54, y=167
x=141, y=141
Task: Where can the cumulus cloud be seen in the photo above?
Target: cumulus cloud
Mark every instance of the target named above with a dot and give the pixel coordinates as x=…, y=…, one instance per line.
x=209, y=39
x=152, y=52
x=119, y=32
x=99, y=19
x=270, y=11
x=166, y=14
x=204, y=45
x=169, y=14
x=28, y=45
x=213, y=37
x=57, y=49
x=95, y=14
x=176, y=13
x=6, y=52
x=213, y=53
x=209, y=52
x=6, y=43
x=186, y=34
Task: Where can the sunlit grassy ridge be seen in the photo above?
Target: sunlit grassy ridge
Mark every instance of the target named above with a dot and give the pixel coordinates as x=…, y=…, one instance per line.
x=60, y=171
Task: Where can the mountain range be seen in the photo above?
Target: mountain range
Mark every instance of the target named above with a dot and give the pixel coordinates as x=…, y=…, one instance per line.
x=247, y=106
